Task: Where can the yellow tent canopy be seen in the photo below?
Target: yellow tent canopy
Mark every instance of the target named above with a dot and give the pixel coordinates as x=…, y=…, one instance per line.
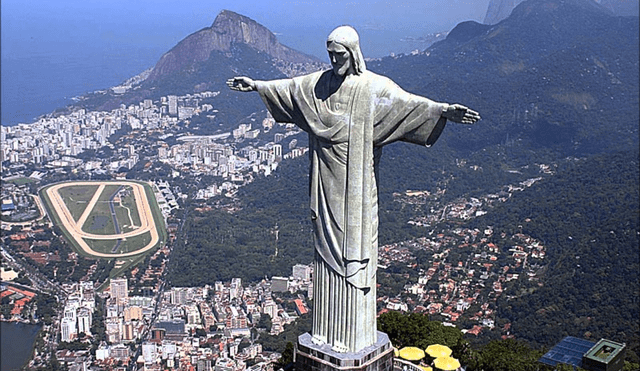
x=437, y=351
x=411, y=353
x=426, y=368
x=446, y=363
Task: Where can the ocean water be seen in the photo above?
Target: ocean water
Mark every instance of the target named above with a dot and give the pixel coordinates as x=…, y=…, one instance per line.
x=16, y=344
x=37, y=80
x=37, y=83
x=53, y=51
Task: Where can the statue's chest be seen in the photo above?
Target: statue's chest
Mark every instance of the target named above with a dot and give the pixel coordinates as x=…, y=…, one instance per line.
x=338, y=103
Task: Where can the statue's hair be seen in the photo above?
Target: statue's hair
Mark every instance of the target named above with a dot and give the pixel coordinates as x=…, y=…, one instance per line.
x=348, y=37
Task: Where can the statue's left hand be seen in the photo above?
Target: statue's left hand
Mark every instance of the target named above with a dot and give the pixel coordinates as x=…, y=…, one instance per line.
x=461, y=114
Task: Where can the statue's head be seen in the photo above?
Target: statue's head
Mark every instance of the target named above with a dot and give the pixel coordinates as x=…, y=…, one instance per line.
x=343, y=45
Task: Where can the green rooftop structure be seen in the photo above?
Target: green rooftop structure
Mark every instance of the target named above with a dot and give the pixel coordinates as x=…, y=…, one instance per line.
x=606, y=355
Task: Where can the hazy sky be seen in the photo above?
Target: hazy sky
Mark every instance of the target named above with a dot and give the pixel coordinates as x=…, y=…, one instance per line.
x=53, y=50
x=161, y=24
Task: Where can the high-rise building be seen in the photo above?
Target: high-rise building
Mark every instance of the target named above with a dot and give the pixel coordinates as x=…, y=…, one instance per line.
x=270, y=308
x=179, y=295
x=84, y=320
x=132, y=312
x=128, y=334
x=149, y=352
x=302, y=272
x=173, y=105
x=218, y=287
x=70, y=312
x=279, y=284
x=119, y=289
x=277, y=151
x=235, y=290
x=68, y=329
x=86, y=290
x=114, y=328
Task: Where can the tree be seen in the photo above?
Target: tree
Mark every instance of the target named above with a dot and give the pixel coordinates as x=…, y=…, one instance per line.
x=417, y=330
x=510, y=355
x=287, y=357
x=264, y=322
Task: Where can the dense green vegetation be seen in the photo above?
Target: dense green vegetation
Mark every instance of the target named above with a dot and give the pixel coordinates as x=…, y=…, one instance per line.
x=46, y=307
x=277, y=343
x=564, y=79
x=587, y=217
x=218, y=245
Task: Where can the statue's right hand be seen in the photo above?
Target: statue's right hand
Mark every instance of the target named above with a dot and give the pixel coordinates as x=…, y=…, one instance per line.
x=241, y=83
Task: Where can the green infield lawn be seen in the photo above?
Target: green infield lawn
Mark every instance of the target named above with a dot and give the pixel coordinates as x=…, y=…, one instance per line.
x=135, y=243
x=103, y=246
x=128, y=245
x=100, y=220
x=127, y=211
x=76, y=198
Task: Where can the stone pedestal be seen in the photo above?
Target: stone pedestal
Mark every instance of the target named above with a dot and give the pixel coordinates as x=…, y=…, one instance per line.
x=313, y=357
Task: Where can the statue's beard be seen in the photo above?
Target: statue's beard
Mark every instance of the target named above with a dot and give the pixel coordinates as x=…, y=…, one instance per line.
x=341, y=71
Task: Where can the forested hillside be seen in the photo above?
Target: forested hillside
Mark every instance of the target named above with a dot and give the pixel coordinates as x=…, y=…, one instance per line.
x=588, y=217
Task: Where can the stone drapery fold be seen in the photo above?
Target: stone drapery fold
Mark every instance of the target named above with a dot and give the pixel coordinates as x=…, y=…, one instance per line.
x=348, y=124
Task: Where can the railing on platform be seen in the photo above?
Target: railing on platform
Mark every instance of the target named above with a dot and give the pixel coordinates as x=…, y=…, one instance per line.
x=400, y=364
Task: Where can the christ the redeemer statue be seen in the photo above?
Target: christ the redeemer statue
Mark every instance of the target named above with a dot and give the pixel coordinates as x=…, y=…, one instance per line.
x=350, y=114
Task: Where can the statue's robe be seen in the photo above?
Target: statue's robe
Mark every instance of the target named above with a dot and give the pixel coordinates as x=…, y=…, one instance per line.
x=347, y=127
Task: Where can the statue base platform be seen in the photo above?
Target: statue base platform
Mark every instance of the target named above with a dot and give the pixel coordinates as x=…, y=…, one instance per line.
x=314, y=357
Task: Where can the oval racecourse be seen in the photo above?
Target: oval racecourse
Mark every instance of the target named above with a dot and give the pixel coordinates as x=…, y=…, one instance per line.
x=78, y=231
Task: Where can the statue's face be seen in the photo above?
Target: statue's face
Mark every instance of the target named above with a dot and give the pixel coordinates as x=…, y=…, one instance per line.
x=340, y=59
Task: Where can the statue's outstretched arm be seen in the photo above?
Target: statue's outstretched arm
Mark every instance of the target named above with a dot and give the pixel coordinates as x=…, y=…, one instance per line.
x=461, y=114
x=241, y=83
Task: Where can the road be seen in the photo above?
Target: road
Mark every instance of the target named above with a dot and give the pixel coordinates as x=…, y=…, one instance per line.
x=40, y=282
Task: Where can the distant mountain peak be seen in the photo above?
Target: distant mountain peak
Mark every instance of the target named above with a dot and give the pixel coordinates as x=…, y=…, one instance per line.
x=567, y=10
x=228, y=28
x=501, y=9
x=237, y=28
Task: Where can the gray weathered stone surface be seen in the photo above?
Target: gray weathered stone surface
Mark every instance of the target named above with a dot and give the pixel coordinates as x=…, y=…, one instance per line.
x=350, y=114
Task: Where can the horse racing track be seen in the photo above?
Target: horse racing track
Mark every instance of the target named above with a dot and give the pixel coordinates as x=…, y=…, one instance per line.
x=116, y=219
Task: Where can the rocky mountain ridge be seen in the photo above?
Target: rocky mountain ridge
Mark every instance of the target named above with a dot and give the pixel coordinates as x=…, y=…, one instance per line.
x=229, y=28
x=498, y=10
